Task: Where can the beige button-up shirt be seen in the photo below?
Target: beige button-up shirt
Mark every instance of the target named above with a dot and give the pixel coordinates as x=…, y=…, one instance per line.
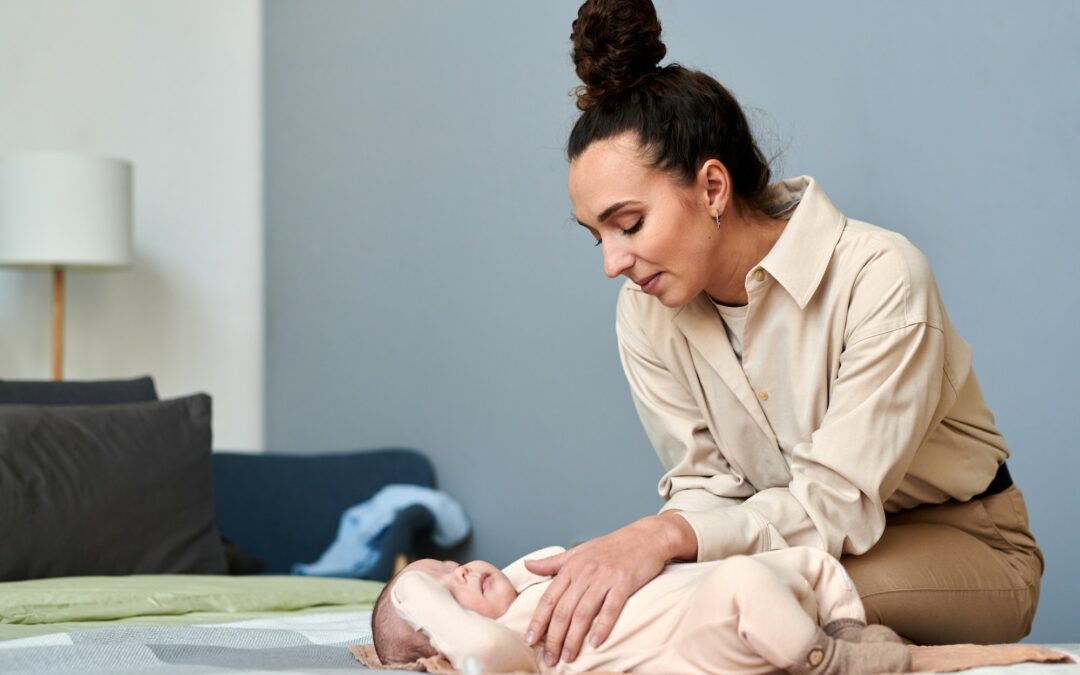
x=855, y=396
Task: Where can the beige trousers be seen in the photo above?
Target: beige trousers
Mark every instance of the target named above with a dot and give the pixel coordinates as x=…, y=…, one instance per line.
x=954, y=572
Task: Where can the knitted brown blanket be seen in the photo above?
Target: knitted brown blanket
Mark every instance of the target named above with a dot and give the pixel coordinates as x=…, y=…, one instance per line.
x=936, y=659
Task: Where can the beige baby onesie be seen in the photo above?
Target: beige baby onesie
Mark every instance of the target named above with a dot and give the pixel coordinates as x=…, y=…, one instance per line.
x=745, y=614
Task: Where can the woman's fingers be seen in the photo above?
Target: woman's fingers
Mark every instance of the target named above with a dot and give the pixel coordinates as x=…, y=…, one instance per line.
x=561, y=617
x=582, y=620
x=592, y=582
x=545, y=607
x=613, y=605
x=546, y=567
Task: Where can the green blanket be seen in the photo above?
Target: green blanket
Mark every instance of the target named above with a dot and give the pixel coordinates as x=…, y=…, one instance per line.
x=68, y=603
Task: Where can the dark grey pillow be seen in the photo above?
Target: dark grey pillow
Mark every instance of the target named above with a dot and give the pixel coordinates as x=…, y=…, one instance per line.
x=77, y=392
x=106, y=490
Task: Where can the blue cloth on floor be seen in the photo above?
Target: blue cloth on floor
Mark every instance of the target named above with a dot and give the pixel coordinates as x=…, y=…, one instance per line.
x=355, y=551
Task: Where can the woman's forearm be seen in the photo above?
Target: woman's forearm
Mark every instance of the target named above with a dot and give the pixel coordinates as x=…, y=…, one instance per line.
x=677, y=537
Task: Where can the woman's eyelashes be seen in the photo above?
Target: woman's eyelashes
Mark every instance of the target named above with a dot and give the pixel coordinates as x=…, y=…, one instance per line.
x=630, y=230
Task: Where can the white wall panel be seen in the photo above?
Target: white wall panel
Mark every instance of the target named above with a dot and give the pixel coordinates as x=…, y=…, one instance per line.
x=175, y=87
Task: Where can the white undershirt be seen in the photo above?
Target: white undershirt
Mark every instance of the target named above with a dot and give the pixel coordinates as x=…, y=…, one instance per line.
x=734, y=319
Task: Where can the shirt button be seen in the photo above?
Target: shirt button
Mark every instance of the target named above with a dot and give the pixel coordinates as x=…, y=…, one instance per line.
x=815, y=657
x=764, y=395
x=759, y=274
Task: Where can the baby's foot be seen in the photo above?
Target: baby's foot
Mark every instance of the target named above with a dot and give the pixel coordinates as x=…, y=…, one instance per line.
x=878, y=633
x=828, y=656
x=854, y=630
x=845, y=629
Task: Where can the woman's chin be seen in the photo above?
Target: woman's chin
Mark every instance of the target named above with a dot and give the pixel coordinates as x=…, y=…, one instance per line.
x=674, y=300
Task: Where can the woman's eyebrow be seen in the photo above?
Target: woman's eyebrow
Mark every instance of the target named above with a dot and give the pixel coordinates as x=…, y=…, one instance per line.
x=609, y=211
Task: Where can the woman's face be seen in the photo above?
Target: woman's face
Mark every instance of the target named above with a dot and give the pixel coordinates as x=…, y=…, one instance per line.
x=653, y=230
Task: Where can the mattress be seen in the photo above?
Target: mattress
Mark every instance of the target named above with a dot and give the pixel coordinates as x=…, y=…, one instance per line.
x=191, y=624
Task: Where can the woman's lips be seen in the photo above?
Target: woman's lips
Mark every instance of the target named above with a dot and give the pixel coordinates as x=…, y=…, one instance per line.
x=649, y=284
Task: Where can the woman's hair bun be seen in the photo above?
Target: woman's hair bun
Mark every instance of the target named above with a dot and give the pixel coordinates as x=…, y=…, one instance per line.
x=616, y=43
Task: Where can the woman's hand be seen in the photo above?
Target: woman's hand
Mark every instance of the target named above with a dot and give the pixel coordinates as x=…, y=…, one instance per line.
x=593, y=581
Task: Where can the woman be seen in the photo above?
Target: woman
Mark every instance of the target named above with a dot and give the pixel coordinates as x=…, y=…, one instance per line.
x=794, y=369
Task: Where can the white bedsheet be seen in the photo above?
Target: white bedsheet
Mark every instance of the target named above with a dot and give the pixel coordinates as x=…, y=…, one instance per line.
x=322, y=631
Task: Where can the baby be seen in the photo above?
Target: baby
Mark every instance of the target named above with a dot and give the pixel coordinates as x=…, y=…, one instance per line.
x=793, y=609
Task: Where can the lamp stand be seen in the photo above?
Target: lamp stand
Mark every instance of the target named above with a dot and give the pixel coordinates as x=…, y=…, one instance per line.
x=58, y=322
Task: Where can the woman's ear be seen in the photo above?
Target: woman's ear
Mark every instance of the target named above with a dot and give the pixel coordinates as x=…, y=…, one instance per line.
x=714, y=184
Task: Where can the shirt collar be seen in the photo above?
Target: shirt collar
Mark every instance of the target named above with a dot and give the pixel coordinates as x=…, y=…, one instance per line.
x=799, y=258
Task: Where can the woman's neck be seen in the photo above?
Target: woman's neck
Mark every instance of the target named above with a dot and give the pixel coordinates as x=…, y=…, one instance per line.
x=747, y=237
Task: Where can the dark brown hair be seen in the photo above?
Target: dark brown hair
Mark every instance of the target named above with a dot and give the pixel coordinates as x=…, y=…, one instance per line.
x=682, y=117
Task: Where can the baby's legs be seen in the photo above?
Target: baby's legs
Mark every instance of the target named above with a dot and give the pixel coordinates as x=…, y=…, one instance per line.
x=839, y=609
x=820, y=575
x=769, y=616
x=778, y=600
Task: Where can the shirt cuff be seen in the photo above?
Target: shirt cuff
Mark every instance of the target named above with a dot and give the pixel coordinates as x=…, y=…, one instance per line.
x=735, y=530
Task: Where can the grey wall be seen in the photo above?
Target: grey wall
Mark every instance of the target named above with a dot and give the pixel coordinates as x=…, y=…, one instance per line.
x=426, y=287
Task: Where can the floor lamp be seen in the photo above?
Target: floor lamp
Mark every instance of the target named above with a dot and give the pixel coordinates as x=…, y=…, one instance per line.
x=64, y=211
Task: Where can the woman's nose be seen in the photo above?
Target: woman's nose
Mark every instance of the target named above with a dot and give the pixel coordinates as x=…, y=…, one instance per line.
x=616, y=259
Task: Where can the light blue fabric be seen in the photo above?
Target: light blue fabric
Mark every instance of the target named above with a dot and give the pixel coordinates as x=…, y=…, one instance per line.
x=355, y=551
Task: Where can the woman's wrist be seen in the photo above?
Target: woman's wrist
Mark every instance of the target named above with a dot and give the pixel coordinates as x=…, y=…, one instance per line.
x=678, y=539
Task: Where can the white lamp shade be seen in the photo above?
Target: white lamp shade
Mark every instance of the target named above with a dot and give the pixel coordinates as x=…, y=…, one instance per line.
x=64, y=209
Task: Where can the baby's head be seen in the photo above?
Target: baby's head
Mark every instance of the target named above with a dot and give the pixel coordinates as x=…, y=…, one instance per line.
x=478, y=586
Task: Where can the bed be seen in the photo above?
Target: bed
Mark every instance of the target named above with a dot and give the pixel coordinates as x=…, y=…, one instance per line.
x=125, y=542
x=213, y=625
x=107, y=493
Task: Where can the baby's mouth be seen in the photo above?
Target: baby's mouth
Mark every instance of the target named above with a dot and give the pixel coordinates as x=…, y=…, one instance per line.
x=485, y=582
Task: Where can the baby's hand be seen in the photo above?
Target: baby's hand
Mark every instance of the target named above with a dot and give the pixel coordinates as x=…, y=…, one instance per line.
x=419, y=598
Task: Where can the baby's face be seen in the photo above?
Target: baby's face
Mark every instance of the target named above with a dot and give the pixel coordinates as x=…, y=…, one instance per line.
x=478, y=586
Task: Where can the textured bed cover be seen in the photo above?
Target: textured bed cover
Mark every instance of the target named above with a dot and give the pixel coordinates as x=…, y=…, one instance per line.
x=316, y=643
x=192, y=624
x=291, y=643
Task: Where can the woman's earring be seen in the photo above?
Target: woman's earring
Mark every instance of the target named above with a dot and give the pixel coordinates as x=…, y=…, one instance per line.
x=718, y=220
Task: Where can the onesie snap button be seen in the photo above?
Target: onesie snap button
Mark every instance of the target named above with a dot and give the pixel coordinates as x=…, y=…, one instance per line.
x=759, y=275
x=764, y=396
x=815, y=657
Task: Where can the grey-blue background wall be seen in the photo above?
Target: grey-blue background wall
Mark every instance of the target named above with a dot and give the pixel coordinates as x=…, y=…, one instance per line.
x=426, y=286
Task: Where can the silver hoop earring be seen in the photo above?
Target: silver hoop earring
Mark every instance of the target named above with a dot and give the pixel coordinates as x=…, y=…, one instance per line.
x=718, y=220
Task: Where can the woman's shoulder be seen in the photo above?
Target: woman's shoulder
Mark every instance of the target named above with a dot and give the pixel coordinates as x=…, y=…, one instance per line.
x=868, y=241
x=891, y=280
x=877, y=251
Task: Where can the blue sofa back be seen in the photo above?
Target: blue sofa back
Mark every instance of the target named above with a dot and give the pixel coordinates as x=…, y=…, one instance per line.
x=285, y=509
